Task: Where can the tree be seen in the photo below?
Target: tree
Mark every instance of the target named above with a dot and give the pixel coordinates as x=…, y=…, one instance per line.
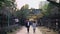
x=26, y=6
x=6, y=8
x=24, y=10
x=44, y=9
x=22, y=13
x=49, y=10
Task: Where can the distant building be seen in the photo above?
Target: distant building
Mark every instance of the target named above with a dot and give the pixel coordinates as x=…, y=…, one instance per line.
x=35, y=11
x=32, y=12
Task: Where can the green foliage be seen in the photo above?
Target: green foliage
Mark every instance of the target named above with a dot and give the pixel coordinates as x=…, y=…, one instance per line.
x=5, y=3
x=5, y=7
x=22, y=14
x=49, y=8
x=24, y=11
x=2, y=0
x=46, y=10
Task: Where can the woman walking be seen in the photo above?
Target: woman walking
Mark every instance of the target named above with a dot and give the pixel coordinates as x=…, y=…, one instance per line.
x=34, y=26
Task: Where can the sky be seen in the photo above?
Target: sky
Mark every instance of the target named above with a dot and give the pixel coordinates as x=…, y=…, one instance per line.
x=31, y=3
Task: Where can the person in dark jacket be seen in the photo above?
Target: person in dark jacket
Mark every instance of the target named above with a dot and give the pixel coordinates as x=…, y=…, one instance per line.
x=27, y=24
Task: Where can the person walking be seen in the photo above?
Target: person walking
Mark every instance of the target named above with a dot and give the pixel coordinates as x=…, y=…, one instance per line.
x=27, y=25
x=34, y=26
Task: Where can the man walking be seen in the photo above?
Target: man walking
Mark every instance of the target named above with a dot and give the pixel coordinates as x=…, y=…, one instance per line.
x=27, y=25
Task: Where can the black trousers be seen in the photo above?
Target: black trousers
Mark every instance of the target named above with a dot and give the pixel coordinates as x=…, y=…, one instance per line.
x=28, y=29
x=34, y=30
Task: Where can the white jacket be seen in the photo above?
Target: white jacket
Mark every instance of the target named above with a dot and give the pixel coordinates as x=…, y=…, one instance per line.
x=34, y=25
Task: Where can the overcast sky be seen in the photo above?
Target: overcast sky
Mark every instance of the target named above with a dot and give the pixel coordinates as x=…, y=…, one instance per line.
x=31, y=3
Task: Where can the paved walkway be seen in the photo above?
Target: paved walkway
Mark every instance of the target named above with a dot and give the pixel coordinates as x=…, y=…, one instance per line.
x=45, y=30
x=39, y=30
x=24, y=31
